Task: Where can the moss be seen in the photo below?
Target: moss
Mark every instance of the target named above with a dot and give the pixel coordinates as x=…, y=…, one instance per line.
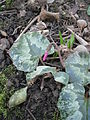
x=17, y=112
x=9, y=71
x=5, y=95
x=8, y=3
x=56, y=116
x=3, y=92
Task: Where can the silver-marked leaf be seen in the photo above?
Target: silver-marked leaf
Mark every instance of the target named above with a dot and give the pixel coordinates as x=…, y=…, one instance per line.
x=69, y=102
x=40, y=71
x=85, y=109
x=60, y=77
x=26, y=51
x=18, y=97
x=77, y=66
x=72, y=103
x=88, y=10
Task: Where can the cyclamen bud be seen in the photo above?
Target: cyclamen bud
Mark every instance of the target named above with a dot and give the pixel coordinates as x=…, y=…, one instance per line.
x=45, y=56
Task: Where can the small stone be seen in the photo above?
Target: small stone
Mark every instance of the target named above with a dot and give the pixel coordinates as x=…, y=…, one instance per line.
x=22, y=13
x=3, y=33
x=41, y=25
x=4, y=43
x=81, y=24
x=86, y=31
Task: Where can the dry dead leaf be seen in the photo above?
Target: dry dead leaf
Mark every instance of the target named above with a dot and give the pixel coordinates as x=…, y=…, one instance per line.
x=3, y=33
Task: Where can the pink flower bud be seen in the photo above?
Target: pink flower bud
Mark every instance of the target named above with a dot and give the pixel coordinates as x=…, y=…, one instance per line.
x=45, y=56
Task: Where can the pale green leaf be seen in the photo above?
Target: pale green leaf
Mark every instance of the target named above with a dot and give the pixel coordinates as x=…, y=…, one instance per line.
x=18, y=97
x=88, y=10
x=26, y=51
x=60, y=77
x=40, y=71
x=70, y=100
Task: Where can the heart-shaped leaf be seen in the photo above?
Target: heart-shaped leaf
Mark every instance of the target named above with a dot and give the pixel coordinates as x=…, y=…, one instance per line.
x=26, y=51
x=77, y=66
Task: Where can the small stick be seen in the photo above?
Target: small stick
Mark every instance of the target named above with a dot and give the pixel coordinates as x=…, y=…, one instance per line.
x=8, y=12
x=60, y=57
x=26, y=28
x=42, y=61
x=31, y=114
x=52, y=65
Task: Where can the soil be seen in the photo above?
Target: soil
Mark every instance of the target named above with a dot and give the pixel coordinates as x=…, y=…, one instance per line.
x=42, y=104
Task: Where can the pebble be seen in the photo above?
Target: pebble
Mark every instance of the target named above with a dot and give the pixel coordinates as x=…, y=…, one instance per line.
x=81, y=24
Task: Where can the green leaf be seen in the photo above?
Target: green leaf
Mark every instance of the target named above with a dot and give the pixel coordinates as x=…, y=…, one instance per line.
x=61, y=38
x=72, y=103
x=71, y=41
x=77, y=65
x=68, y=103
x=39, y=71
x=26, y=51
x=69, y=44
x=88, y=10
x=18, y=97
x=60, y=77
x=85, y=109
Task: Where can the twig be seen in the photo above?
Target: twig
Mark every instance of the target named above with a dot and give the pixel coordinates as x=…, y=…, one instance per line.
x=15, y=31
x=52, y=65
x=52, y=58
x=8, y=12
x=81, y=40
x=31, y=114
x=26, y=28
x=42, y=61
x=42, y=84
x=60, y=57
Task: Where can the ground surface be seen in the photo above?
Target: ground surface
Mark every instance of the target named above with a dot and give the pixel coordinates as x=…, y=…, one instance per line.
x=13, y=19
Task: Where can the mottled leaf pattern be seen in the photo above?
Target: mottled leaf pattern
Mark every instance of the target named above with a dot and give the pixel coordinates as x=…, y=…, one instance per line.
x=60, y=77
x=77, y=66
x=26, y=51
x=70, y=100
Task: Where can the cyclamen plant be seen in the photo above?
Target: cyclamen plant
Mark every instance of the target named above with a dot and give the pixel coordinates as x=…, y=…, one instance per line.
x=25, y=54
